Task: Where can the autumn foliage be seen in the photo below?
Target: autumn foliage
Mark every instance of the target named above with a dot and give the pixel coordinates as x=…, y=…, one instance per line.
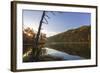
x=29, y=36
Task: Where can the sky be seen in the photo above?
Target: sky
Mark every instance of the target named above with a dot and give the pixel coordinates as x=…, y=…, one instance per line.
x=57, y=23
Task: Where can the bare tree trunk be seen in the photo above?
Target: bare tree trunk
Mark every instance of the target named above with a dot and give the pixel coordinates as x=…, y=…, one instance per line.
x=36, y=50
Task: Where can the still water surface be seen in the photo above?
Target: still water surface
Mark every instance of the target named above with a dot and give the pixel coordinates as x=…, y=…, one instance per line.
x=60, y=54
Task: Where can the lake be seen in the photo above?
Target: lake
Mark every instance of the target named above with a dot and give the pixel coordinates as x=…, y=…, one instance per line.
x=81, y=49
x=62, y=55
x=50, y=55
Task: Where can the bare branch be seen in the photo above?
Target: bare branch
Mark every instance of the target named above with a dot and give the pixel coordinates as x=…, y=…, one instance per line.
x=46, y=22
x=47, y=16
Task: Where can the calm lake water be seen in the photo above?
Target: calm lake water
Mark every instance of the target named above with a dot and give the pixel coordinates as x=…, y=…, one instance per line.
x=52, y=54
x=60, y=54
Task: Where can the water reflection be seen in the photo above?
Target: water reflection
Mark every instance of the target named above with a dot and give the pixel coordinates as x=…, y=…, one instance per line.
x=63, y=55
x=82, y=49
x=49, y=54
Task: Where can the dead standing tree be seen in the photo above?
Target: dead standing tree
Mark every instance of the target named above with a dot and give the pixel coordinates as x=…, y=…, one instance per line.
x=36, y=51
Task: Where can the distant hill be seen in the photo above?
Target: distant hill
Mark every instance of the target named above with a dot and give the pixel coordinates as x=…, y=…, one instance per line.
x=81, y=34
x=74, y=41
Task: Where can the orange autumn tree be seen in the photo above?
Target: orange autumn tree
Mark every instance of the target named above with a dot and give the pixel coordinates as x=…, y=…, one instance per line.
x=29, y=36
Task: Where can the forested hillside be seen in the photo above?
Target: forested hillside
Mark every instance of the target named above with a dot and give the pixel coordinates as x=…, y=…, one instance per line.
x=81, y=34
x=74, y=41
